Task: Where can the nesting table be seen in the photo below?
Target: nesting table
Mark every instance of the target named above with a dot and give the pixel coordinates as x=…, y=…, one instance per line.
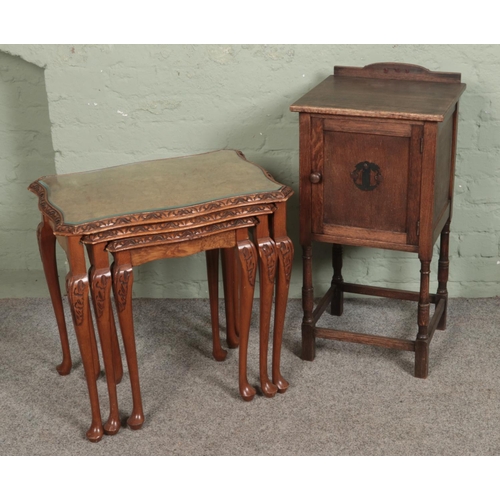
x=156, y=209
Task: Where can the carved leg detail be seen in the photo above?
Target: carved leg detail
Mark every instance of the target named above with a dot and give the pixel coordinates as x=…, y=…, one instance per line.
x=267, y=272
x=284, y=273
x=230, y=295
x=47, y=247
x=337, y=306
x=100, y=283
x=122, y=288
x=308, y=339
x=443, y=267
x=422, y=342
x=248, y=260
x=212, y=257
x=237, y=295
x=78, y=295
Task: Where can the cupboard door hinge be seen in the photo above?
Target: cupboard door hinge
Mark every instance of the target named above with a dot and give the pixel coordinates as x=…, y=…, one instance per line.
x=418, y=228
x=421, y=145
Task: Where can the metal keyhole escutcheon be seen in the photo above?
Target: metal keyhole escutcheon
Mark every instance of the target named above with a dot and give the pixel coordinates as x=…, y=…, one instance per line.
x=366, y=176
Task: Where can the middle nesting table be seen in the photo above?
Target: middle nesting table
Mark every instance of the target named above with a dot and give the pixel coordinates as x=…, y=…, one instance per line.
x=176, y=207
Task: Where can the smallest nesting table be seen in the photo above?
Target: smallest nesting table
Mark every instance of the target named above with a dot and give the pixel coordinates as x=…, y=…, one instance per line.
x=156, y=209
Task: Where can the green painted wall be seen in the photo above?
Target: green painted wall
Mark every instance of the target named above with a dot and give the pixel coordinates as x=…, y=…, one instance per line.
x=25, y=152
x=112, y=104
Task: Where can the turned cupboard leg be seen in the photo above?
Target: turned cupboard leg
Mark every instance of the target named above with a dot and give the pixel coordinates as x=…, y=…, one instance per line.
x=77, y=285
x=308, y=340
x=123, y=278
x=212, y=258
x=443, y=268
x=248, y=266
x=337, y=306
x=422, y=342
x=47, y=247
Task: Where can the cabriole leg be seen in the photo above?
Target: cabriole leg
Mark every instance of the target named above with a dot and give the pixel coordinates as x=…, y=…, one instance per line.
x=267, y=273
x=77, y=285
x=47, y=247
x=285, y=251
x=248, y=265
x=284, y=271
x=212, y=257
x=100, y=285
x=229, y=278
x=123, y=278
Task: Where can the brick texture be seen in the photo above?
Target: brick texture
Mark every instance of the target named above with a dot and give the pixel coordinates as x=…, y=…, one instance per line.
x=25, y=154
x=116, y=104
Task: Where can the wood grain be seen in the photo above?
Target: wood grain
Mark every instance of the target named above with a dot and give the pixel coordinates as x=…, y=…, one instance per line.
x=365, y=338
x=377, y=158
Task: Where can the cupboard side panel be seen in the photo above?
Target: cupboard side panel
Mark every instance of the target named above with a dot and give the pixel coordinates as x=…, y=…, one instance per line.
x=444, y=147
x=304, y=172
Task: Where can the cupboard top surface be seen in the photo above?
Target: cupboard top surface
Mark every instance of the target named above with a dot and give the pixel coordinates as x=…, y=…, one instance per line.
x=382, y=98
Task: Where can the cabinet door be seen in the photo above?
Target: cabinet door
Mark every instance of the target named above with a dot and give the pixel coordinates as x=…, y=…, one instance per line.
x=368, y=185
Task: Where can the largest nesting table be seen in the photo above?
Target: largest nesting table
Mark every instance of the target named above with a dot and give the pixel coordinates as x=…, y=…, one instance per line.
x=155, y=209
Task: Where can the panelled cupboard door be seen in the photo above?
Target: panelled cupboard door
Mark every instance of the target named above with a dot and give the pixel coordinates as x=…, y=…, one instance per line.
x=366, y=179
